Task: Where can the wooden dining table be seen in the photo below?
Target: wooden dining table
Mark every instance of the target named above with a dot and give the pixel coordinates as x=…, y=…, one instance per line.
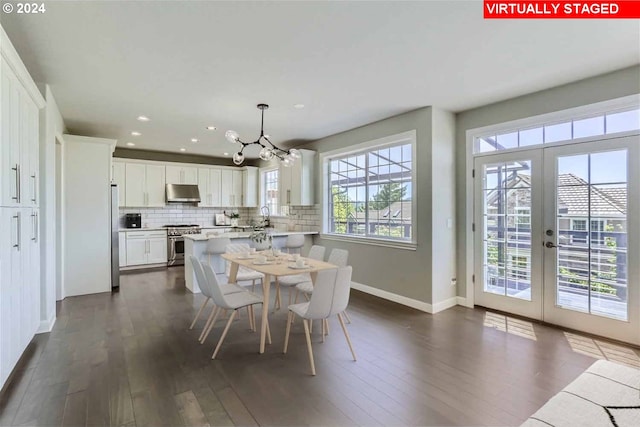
x=276, y=267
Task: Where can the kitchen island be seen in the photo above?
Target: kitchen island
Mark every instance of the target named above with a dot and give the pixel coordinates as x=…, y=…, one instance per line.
x=196, y=244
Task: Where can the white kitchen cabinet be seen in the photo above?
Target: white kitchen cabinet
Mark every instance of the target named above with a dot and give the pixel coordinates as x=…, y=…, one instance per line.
x=146, y=247
x=122, y=249
x=296, y=183
x=209, y=187
x=229, y=182
x=181, y=175
x=144, y=185
x=118, y=177
x=250, y=187
x=19, y=155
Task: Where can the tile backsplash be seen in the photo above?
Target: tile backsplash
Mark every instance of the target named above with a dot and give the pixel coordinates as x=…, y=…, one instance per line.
x=301, y=218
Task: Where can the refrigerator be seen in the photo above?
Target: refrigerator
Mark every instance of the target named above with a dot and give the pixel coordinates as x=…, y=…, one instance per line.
x=115, y=227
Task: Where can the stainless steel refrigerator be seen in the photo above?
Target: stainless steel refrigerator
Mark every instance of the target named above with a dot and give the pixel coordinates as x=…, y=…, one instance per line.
x=115, y=253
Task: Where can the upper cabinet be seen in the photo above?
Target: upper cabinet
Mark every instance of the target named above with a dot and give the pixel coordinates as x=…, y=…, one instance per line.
x=297, y=182
x=209, y=180
x=145, y=185
x=181, y=175
x=250, y=187
x=19, y=151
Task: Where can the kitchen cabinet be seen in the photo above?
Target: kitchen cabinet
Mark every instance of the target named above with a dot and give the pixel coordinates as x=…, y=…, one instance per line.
x=250, y=187
x=209, y=180
x=231, y=188
x=118, y=177
x=181, y=175
x=19, y=152
x=144, y=185
x=296, y=183
x=20, y=104
x=146, y=247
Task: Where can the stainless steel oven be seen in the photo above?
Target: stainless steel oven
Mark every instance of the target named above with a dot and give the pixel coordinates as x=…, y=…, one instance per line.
x=175, y=241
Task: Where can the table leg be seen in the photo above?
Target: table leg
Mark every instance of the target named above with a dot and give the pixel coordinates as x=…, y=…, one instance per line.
x=233, y=273
x=266, y=286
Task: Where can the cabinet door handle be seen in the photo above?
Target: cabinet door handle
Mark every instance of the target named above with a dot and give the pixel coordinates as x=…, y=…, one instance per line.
x=17, y=244
x=35, y=187
x=16, y=169
x=34, y=227
x=288, y=197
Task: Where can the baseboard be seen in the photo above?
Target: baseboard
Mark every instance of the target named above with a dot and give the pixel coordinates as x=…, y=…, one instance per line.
x=463, y=302
x=443, y=305
x=409, y=302
x=46, y=325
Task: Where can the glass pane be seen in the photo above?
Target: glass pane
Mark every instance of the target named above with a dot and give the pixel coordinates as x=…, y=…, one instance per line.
x=588, y=127
x=573, y=170
x=609, y=167
x=531, y=137
x=559, y=132
x=486, y=144
x=507, y=140
x=625, y=121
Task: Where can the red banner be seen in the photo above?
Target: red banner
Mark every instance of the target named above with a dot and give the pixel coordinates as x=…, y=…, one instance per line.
x=629, y=9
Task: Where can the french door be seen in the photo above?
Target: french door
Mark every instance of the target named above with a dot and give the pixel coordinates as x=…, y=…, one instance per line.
x=557, y=235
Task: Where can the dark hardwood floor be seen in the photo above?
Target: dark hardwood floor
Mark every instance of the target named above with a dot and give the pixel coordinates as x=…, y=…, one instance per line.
x=127, y=359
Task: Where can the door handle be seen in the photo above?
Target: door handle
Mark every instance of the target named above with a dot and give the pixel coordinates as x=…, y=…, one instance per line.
x=551, y=245
x=17, y=244
x=16, y=168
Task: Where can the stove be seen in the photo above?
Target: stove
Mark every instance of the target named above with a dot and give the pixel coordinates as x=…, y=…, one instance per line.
x=182, y=229
x=175, y=241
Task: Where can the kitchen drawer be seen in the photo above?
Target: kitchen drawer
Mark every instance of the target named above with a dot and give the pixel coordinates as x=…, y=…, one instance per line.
x=146, y=234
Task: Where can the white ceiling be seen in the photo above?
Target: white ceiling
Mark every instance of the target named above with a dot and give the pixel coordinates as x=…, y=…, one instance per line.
x=192, y=64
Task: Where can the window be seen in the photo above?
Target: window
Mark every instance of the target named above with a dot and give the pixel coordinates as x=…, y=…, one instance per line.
x=579, y=225
x=519, y=268
x=269, y=191
x=608, y=123
x=369, y=192
x=523, y=217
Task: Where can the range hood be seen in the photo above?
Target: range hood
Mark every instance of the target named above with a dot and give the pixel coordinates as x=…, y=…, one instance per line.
x=181, y=193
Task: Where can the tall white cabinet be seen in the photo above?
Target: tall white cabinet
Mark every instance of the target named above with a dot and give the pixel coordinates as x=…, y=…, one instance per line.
x=20, y=104
x=296, y=183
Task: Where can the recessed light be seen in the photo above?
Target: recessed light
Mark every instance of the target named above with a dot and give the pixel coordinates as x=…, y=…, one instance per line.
x=143, y=119
x=194, y=140
x=183, y=149
x=134, y=133
x=298, y=106
x=130, y=144
x=211, y=128
x=226, y=154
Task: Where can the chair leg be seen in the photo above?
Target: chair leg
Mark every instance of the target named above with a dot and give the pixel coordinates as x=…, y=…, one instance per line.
x=346, y=335
x=288, y=330
x=277, y=302
x=206, y=325
x=249, y=317
x=199, y=313
x=212, y=324
x=268, y=332
x=295, y=299
x=346, y=316
x=311, y=326
x=326, y=328
x=324, y=323
x=253, y=318
x=224, y=333
x=290, y=295
x=253, y=285
x=308, y=336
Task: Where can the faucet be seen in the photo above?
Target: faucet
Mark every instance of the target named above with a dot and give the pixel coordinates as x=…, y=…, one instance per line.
x=266, y=216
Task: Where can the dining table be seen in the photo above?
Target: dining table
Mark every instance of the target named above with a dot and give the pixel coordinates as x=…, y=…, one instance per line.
x=275, y=267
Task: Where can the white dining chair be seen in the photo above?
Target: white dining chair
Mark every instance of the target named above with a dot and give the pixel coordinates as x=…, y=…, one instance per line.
x=244, y=274
x=232, y=302
x=294, y=242
x=317, y=253
x=339, y=257
x=331, y=297
x=216, y=247
x=205, y=288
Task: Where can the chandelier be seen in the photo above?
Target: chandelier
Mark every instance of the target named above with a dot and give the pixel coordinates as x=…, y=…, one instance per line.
x=268, y=149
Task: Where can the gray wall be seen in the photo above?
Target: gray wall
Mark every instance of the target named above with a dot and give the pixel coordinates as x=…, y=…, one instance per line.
x=398, y=271
x=601, y=88
x=164, y=156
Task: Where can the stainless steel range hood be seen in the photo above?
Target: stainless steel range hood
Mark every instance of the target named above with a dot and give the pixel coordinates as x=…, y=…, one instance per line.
x=181, y=193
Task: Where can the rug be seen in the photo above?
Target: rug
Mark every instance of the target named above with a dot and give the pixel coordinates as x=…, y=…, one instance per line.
x=605, y=395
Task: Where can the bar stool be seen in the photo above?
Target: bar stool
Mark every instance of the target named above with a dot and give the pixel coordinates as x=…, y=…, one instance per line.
x=294, y=242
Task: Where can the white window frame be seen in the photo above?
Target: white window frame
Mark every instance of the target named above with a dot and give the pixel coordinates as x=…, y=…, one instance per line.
x=524, y=123
x=263, y=201
x=403, y=138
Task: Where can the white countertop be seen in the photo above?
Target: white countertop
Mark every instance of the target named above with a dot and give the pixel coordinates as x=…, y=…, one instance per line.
x=242, y=235
x=123, y=230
